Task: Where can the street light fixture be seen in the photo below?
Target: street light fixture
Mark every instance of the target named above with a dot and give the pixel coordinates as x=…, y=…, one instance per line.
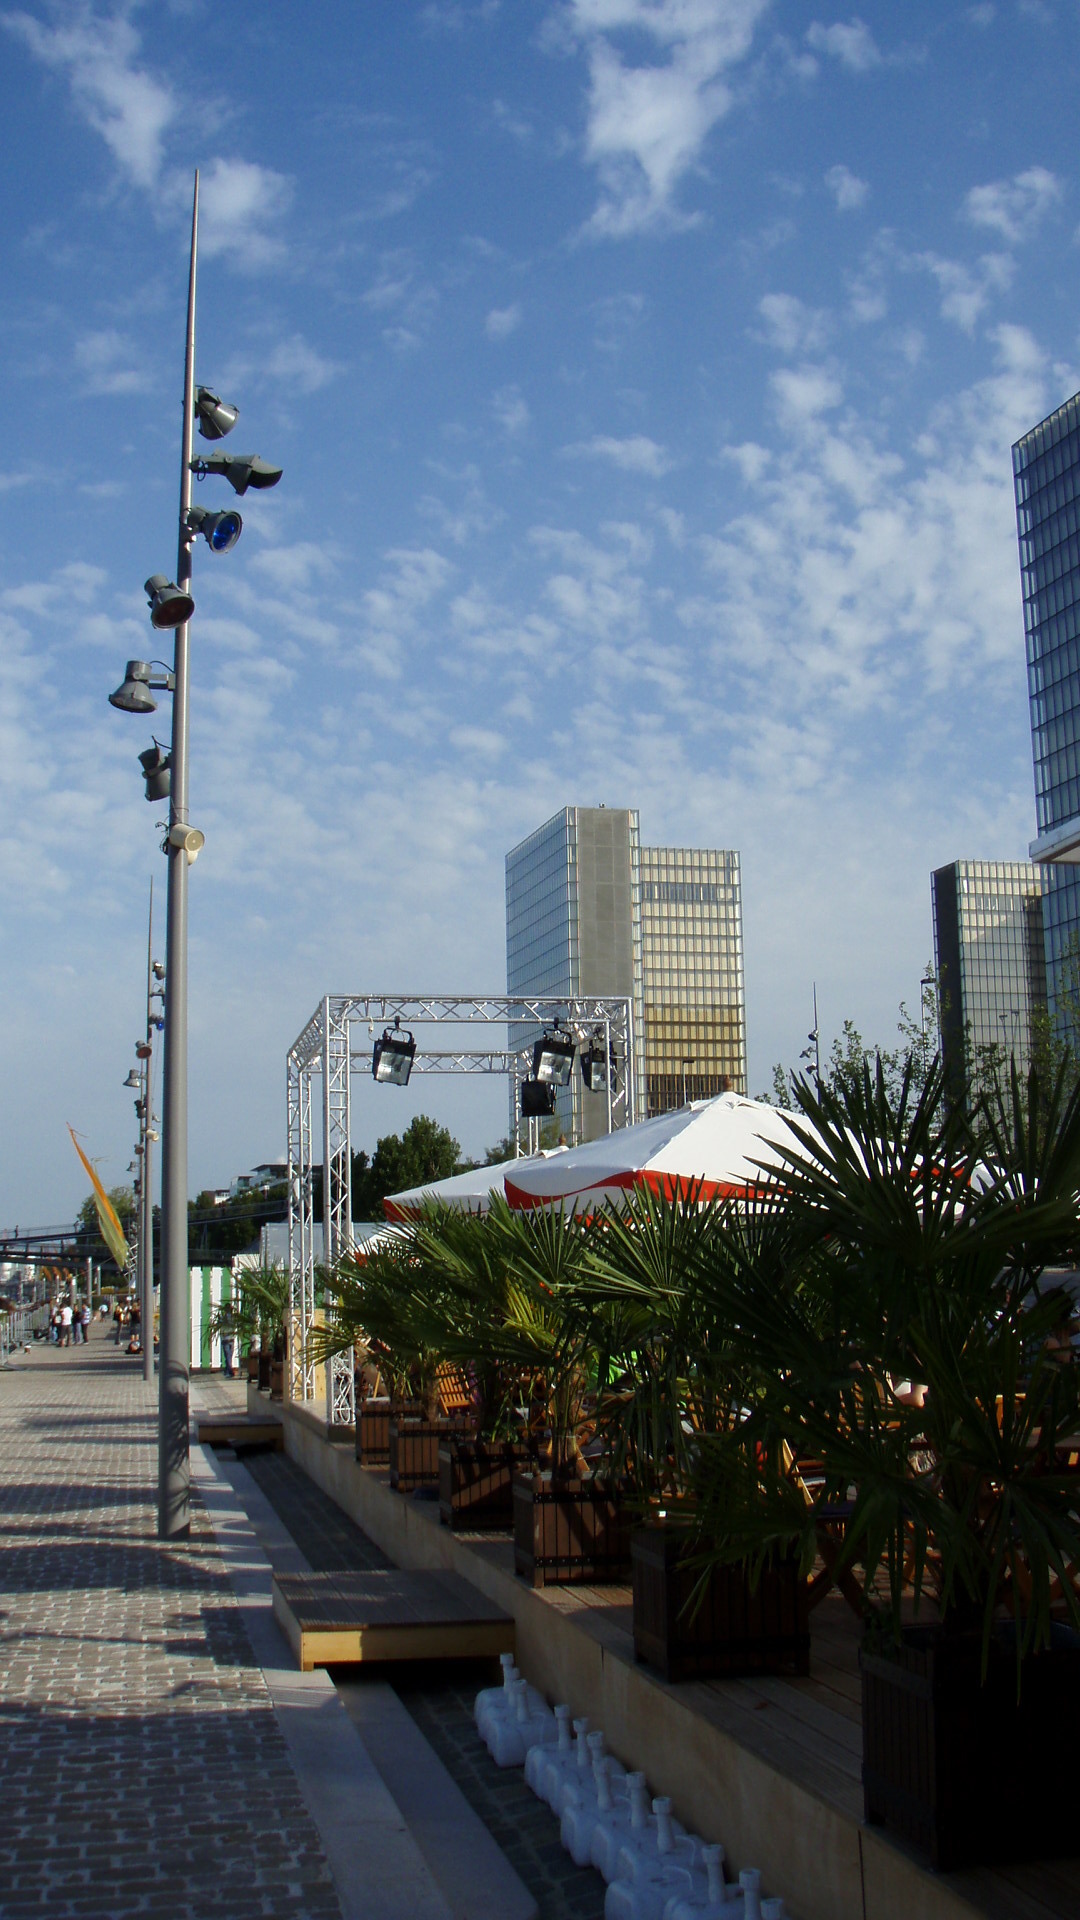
x=171, y=606
x=136, y=691
x=221, y=531
x=157, y=771
x=241, y=470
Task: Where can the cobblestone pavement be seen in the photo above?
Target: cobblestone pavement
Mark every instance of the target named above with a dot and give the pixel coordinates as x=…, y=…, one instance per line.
x=522, y=1825
x=142, y=1770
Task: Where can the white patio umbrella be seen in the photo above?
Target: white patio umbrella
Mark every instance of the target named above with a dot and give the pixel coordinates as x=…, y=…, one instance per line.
x=468, y=1192
x=718, y=1147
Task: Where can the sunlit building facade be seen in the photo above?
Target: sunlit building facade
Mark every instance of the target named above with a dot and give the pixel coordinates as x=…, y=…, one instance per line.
x=1046, y=478
x=989, y=959
x=589, y=910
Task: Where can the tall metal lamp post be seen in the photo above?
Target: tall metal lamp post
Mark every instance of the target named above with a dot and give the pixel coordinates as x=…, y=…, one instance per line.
x=171, y=607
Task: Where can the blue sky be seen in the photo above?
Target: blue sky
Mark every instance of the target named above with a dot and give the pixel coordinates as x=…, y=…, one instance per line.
x=644, y=373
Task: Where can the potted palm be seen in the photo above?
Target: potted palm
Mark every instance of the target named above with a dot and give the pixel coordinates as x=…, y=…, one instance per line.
x=387, y=1302
x=256, y=1316
x=672, y=1374
x=917, y=1235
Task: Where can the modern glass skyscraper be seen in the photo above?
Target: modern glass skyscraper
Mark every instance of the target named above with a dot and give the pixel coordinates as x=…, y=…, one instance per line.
x=591, y=911
x=988, y=954
x=1046, y=477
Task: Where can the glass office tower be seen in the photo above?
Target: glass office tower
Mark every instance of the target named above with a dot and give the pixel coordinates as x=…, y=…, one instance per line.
x=1046, y=476
x=988, y=954
x=591, y=911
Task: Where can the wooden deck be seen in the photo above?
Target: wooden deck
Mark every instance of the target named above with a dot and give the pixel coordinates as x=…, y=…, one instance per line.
x=773, y=1768
x=344, y=1618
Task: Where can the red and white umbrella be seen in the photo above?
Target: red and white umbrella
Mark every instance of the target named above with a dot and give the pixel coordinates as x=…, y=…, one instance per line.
x=714, y=1147
x=468, y=1192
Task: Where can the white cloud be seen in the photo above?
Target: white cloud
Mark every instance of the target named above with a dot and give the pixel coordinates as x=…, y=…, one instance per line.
x=635, y=454
x=109, y=362
x=1014, y=208
x=852, y=44
x=239, y=201
x=846, y=188
x=127, y=106
x=413, y=578
x=792, y=326
x=647, y=124
x=803, y=393
x=511, y=411
x=966, y=292
x=502, y=322
x=301, y=365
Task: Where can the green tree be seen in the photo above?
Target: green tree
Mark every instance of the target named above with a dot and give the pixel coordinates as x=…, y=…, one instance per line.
x=423, y=1153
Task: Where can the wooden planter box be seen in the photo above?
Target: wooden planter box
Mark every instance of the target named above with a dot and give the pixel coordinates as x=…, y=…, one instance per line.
x=252, y=1367
x=569, y=1532
x=728, y=1630
x=414, y=1450
x=476, y=1483
x=264, y=1372
x=964, y=1772
x=277, y=1379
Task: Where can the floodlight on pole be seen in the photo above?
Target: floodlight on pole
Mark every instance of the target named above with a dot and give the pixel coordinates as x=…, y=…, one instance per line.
x=157, y=771
x=133, y=1079
x=392, y=1057
x=216, y=418
x=553, y=1058
x=241, y=470
x=170, y=605
x=221, y=531
x=135, y=694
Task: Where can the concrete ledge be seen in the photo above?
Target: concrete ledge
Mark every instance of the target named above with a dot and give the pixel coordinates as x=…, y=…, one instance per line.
x=827, y=1865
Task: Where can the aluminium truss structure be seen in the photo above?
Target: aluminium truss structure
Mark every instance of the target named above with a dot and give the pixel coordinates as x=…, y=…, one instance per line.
x=323, y=1051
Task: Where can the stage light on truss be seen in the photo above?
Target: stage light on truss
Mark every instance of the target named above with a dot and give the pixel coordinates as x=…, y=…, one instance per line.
x=392, y=1057
x=537, y=1099
x=599, y=1074
x=553, y=1058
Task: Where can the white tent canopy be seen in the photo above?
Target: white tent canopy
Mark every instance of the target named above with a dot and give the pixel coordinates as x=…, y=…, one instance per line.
x=718, y=1147
x=469, y=1192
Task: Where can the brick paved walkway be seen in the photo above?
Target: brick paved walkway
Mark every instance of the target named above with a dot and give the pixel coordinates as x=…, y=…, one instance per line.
x=142, y=1770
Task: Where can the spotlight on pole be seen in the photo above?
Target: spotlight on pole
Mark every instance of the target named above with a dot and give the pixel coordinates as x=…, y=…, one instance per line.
x=553, y=1058
x=133, y=1079
x=170, y=606
x=537, y=1099
x=221, y=531
x=156, y=765
x=216, y=418
x=241, y=470
x=134, y=695
x=392, y=1057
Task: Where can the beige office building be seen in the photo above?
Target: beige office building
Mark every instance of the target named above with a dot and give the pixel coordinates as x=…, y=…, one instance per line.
x=589, y=910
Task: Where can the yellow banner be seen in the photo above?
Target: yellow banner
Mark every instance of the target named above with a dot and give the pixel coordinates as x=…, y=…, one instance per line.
x=108, y=1220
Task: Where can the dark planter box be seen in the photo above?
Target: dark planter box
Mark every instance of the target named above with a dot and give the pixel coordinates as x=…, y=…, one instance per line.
x=964, y=1772
x=476, y=1483
x=277, y=1379
x=264, y=1372
x=569, y=1532
x=373, y=1432
x=730, y=1629
x=252, y=1366
x=414, y=1451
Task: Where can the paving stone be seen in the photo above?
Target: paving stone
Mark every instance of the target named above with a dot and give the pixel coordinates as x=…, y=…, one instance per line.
x=142, y=1769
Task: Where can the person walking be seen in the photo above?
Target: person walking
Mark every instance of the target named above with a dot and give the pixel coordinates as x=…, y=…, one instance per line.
x=54, y=1324
x=84, y=1321
x=65, y=1324
x=118, y=1317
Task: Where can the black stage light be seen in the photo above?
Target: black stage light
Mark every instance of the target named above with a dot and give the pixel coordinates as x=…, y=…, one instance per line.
x=553, y=1058
x=537, y=1099
x=392, y=1057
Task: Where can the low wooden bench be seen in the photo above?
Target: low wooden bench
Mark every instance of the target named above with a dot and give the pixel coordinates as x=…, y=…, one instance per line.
x=342, y=1618
x=241, y=1433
